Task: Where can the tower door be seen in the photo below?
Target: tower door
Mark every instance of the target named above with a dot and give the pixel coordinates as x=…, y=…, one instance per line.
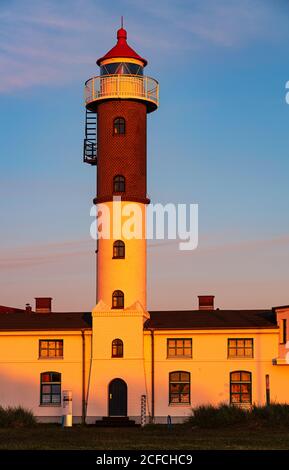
x=117, y=398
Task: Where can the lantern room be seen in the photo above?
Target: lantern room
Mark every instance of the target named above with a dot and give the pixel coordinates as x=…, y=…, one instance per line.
x=121, y=77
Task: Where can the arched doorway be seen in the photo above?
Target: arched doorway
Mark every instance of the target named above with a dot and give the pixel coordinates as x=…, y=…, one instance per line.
x=117, y=398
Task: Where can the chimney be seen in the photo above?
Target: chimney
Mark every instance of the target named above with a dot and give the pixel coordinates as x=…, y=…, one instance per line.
x=206, y=302
x=28, y=308
x=43, y=304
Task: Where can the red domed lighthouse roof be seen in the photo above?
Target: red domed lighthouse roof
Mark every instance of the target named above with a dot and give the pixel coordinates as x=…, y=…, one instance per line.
x=121, y=49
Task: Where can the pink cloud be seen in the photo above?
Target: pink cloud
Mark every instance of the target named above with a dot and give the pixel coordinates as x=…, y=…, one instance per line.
x=43, y=43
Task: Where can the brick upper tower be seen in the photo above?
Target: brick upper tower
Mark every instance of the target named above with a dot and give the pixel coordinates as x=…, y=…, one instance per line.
x=117, y=102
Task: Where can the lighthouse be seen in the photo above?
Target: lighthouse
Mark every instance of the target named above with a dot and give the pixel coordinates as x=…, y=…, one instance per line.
x=117, y=102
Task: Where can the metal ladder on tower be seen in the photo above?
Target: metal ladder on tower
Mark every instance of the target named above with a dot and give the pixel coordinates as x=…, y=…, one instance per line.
x=89, y=143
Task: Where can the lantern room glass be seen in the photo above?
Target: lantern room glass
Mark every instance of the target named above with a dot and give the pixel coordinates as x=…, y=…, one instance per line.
x=121, y=68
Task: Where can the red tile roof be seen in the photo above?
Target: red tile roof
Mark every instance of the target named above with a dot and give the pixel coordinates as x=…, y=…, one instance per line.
x=211, y=319
x=4, y=309
x=17, y=320
x=27, y=321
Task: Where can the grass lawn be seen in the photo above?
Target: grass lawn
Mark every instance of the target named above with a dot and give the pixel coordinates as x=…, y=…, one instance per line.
x=158, y=437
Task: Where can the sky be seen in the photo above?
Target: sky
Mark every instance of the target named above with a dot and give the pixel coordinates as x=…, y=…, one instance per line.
x=219, y=139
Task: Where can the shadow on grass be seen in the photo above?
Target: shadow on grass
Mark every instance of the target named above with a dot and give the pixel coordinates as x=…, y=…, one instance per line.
x=152, y=437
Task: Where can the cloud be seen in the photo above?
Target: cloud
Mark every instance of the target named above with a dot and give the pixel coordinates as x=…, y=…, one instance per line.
x=248, y=246
x=28, y=256
x=208, y=242
x=66, y=269
x=240, y=273
x=43, y=43
x=194, y=24
x=33, y=255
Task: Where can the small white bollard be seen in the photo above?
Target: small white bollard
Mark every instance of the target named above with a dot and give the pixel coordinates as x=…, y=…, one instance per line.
x=67, y=408
x=143, y=410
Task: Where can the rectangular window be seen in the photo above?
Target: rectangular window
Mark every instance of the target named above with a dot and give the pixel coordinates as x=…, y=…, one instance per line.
x=51, y=349
x=50, y=388
x=178, y=348
x=283, y=332
x=240, y=347
x=179, y=387
x=240, y=388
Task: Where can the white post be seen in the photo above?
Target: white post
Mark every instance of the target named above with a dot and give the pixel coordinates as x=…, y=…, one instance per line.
x=143, y=410
x=67, y=408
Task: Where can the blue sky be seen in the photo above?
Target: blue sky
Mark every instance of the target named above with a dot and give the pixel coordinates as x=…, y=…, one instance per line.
x=220, y=139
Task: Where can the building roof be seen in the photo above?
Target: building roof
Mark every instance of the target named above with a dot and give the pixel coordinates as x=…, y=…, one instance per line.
x=29, y=321
x=211, y=319
x=4, y=309
x=21, y=320
x=121, y=49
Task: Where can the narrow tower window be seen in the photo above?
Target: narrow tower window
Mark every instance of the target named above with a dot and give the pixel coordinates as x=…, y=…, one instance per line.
x=117, y=348
x=119, y=184
x=118, y=249
x=119, y=126
x=118, y=299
